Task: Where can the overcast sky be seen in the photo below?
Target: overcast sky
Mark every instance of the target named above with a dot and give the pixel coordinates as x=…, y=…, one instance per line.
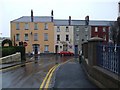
x=77, y=9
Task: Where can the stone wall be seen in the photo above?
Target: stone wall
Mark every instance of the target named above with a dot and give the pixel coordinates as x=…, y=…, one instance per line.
x=11, y=58
x=100, y=76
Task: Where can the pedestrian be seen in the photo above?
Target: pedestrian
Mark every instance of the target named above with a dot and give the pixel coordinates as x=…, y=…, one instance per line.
x=80, y=57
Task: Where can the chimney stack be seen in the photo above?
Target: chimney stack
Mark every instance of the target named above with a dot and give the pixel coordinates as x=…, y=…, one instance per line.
x=69, y=20
x=87, y=20
x=31, y=15
x=52, y=16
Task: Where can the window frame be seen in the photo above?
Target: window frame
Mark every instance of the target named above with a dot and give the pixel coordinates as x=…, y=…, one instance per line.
x=17, y=26
x=35, y=26
x=25, y=37
x=17, y=37
x=45, y=36
x=26, y=26
x=35, y=36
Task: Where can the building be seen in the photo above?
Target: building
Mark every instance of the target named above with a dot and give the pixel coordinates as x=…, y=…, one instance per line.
x=118, y=9
x=63, y=33
x=100, y=29
x=35, y=31
x=44, y=34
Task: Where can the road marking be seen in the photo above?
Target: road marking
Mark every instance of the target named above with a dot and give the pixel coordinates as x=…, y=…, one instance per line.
x=49, y=78
x=46, y=77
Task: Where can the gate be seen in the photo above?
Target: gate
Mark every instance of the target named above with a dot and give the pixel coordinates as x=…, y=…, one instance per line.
x=109, y=57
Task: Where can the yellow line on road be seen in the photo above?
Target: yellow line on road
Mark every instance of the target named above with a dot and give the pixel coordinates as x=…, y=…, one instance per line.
x=48, y=81
x=42, y=85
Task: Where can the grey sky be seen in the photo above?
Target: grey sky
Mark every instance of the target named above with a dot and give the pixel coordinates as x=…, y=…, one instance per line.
x=77, y=9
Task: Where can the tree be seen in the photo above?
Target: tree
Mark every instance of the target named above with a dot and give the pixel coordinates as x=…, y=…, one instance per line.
x=6, y=41
x=115, y=31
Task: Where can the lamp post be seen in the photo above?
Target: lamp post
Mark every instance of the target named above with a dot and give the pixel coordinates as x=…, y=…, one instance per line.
x=118, y=43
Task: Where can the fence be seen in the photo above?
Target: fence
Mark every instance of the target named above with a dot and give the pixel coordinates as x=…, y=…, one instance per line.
x=109, y=57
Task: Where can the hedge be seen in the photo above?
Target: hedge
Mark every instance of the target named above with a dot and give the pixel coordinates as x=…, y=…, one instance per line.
x=12, y=50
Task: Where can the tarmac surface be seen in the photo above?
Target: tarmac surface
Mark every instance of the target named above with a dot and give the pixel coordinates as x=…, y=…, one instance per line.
x=71, y=75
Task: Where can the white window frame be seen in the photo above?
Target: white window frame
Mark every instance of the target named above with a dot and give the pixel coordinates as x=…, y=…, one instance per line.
x=17, y=26
x=46, y=48
x=96, y=29
x=35, y=36
x=58, y=28
x=45, y=36
x=26, y=26
x=46, y=26
x=26, y=37
x=17, y=37
x=35, y=26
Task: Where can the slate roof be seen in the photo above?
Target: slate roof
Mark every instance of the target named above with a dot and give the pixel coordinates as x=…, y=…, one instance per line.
x=35, y=19
x=63, y=22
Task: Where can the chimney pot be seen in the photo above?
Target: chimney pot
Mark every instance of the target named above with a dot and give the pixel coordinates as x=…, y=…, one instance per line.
x=31, y=15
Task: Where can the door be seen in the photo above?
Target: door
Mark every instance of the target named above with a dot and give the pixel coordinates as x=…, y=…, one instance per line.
x=36, y=48
x=76, y=50
x=56, y=48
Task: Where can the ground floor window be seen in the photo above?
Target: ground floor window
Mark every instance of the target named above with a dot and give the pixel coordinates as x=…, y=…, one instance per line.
x=46, y=48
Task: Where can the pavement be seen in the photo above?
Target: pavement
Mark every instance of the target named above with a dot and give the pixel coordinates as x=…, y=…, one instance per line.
x=7, y=65
x=71, y=75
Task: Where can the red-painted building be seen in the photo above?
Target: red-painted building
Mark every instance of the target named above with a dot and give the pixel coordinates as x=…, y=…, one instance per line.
x=100, y=31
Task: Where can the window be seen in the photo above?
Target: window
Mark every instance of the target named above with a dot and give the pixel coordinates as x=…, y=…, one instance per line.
x=17, y=26
x=46, y=26
x=26, y=37
x=77, y=37
x=96, y=29
x=35, y=26
x=46, y=48
x=104, y=29
x=35, y=37
x=45, y=37
x=26, y=26
x=67, y=29
x=86, y=29
x=58, y=37
x=58, y=29
x=17, y=37
x=77, y=28
x=104, y=37
x=67, y=37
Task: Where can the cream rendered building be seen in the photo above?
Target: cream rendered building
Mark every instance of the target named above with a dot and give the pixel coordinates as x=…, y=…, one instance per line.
x=63, y=33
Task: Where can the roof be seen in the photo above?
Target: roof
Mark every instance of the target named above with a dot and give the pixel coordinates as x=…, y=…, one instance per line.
x=35, y=19
x=59, y=22
x=63, y=22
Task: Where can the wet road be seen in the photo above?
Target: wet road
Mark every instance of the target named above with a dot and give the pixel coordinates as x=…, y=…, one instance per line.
x=32, y=74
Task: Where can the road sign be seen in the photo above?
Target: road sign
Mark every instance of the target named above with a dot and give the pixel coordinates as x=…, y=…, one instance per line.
x=25, y=44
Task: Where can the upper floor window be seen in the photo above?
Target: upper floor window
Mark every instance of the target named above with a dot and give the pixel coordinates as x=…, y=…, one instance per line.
x=77, y=28
x=67, y=37
x=104, y=29
x=45, y=36
x=26, y=26
x=35, y=26
x=77, y=36
x=35, y=37
x=17, y=37
x=26, y=37
x=58, y=37
x=96, y=29
x=46, y=26
x=58, y=28
x=17, y=26
x=67, y=29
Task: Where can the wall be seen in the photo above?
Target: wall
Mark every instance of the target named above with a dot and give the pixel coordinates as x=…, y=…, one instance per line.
x=98, y=75
x=11, y=58
x=63, y=34
x=40, y=33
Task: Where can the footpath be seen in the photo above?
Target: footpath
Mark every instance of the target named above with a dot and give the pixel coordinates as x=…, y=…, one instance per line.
x=71, y=75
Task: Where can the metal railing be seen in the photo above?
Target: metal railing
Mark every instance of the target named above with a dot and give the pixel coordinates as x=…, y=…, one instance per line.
x=109, y=57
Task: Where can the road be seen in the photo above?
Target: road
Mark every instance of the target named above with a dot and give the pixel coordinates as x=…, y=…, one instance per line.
x=32, y=74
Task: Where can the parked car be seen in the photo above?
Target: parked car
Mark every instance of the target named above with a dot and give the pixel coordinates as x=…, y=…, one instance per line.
x=66, y=53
